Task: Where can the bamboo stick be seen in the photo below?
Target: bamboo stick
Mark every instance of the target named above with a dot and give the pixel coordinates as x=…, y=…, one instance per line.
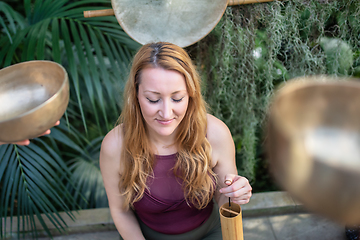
x=230, y=211
x=99, y=13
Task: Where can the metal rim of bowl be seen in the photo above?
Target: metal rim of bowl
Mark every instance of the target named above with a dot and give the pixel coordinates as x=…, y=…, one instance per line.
x=64, y=82
x=302, y=83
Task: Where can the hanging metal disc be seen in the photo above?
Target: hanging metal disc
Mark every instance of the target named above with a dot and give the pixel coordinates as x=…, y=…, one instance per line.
x=182, y=22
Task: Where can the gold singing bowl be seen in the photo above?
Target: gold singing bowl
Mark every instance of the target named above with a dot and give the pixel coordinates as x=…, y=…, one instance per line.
x=33, y=96
x=313, y=145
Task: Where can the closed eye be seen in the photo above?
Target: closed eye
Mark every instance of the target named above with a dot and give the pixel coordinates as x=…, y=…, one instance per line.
x=153, y=101
x=178, y=100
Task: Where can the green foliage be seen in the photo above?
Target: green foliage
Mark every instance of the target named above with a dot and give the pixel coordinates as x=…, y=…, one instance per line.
x=253, y=49
x=62, y=172
x=31, y=184
x=256, y=47
x=339, y=56
x=89, y=191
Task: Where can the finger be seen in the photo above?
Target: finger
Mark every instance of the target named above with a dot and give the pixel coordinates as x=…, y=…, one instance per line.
x=241, y=194
x=237, y=193
x=245, y=198
x=49, y=131
x=46, y=132
x=228, y=182
x=23, y=143
x=229, y=179
x=241, y=201
x=233, y=183
x=239, y=187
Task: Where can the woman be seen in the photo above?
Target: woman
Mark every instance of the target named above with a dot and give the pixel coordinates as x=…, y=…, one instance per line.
x=167, y=159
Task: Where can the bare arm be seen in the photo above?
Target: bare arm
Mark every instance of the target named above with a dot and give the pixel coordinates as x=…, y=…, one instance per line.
x=125, y=220
x=223, y=154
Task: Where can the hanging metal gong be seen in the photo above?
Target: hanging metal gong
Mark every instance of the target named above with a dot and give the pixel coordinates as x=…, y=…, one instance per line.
x=182, y=22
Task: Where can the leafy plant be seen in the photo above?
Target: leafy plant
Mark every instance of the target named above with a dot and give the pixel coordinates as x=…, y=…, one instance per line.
x=256, y=47
x=238, y=85
x=32, y=183
x=339, y=56
x=55, y=173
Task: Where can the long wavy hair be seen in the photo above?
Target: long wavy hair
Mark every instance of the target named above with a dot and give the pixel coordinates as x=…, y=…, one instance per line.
x=193, y=165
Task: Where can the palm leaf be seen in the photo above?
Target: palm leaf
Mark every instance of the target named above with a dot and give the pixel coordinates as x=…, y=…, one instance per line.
x=11, y=21
x=8, y=53
x=96, y=37
x=89, y=188
x=32, y=177
x=96, y=54
x=41, y=39
x=86, y=183
x=72, y=66
x=84, y=47
x=55, y=39
x=5, y=28
x=32, y=40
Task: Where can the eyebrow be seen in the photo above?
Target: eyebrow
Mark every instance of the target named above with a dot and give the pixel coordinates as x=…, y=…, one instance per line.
x=157, y=93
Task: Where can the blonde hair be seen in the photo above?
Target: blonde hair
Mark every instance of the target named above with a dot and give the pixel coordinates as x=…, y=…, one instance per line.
x=193, y=165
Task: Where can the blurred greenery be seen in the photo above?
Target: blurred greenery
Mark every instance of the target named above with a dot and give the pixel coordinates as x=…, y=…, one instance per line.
x=252, y=50
x=257, y=47
x=61, y=172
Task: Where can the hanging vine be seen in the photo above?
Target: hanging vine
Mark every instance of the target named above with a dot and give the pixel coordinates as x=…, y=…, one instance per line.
x=255, y=47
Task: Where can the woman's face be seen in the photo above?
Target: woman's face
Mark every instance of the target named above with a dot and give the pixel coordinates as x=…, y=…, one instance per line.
x=163, y=100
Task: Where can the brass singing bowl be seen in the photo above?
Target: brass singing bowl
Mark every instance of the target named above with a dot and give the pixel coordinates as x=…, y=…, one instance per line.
x=33, y=96
x=313, y=145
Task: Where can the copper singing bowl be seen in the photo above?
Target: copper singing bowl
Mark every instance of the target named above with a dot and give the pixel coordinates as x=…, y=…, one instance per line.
x=313, y=144
x=33, y=96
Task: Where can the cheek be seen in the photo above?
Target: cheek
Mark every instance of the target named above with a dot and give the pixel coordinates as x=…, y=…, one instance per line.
x=147, y=109
x=183, y=108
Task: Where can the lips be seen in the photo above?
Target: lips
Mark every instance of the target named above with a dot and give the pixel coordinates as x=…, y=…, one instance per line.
x=165, y=121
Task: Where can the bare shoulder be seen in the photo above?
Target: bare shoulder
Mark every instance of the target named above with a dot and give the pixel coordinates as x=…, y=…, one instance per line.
x=222, y=144
x=217, y=131
x=111, y=145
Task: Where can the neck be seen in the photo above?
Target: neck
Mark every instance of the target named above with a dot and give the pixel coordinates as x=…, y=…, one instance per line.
x=163, y=146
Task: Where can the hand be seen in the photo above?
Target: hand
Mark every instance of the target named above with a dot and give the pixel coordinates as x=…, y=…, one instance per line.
x=239, y=189
x=27, y=141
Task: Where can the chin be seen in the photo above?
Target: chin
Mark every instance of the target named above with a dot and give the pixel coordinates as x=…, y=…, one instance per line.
x=165, y=131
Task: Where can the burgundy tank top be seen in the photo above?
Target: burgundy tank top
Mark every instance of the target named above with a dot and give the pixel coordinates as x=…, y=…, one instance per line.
x=163, y=208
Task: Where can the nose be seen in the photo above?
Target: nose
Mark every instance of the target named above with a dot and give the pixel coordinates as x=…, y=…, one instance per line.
x=166, y=109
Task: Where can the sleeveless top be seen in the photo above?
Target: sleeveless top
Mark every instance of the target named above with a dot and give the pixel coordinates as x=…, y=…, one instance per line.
x=163, y=208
